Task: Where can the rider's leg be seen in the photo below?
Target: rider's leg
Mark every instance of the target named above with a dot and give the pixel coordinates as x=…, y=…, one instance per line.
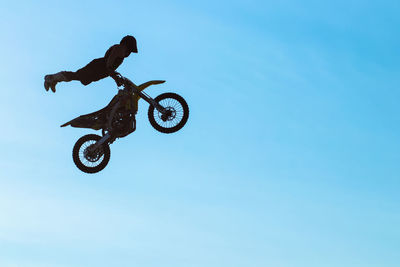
x=94, y=71
x=62, y=76
x=70, y=75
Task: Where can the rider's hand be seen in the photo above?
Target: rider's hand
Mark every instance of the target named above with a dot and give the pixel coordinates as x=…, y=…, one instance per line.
x=119, y=82
x=117, y=78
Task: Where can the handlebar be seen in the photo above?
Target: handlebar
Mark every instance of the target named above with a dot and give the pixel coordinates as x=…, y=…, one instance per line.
x=118, y=78
x=128, y=84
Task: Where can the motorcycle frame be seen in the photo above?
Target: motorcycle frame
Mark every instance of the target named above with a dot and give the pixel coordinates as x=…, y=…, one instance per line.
x=131, y=88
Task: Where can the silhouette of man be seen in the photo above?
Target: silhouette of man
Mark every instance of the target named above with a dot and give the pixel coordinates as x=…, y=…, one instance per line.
x=98, y=68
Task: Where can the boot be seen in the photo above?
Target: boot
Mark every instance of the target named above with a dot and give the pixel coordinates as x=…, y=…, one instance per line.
x=52, y=80
x=47, y=82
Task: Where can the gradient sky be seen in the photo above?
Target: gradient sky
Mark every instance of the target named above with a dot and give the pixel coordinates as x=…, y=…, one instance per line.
x=290, y=157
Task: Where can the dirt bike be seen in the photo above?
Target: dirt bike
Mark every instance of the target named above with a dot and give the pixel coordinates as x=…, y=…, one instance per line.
x=167, y=113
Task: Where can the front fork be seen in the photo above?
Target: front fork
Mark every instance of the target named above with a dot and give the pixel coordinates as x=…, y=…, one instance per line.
x=152, y=102
x=103, y=140
x=159, y=108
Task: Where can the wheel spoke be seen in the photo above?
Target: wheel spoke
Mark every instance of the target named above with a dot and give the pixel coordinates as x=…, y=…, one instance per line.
x=84, y=158
x=177, y=109
x=177, y=113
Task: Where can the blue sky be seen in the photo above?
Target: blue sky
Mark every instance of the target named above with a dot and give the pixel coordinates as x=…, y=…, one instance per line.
x=290, y=156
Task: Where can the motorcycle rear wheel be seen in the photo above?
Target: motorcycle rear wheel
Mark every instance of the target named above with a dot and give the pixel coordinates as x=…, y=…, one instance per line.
x=87, y=160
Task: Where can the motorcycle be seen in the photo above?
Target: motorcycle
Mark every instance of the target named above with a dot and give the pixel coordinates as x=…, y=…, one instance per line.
x=167, y=113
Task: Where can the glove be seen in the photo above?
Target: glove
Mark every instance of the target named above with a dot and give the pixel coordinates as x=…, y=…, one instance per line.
x=117, y=78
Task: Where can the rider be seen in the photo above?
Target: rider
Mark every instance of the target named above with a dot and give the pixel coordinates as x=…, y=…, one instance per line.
x=98, y=68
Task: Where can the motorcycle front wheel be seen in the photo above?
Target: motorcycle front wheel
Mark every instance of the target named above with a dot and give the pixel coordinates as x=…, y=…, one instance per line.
x=175, y=117
x=87, y=159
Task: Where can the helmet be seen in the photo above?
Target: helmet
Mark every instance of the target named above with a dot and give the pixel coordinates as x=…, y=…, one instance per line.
x=130, y=42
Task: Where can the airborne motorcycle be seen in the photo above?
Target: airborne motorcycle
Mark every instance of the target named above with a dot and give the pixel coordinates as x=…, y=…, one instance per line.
x=167, y=113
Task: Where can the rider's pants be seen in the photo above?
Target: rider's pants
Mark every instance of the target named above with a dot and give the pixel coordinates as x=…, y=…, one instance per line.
x=94, y=71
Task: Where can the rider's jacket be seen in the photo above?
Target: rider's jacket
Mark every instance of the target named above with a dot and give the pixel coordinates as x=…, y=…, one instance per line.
x=117, y=62
x=97, y=68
